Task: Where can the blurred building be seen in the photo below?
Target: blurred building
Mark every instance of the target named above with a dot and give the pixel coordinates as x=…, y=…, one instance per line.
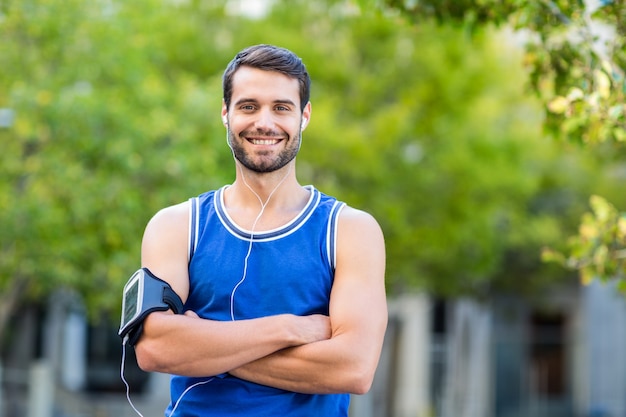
x=507, y=358
x=456, y=358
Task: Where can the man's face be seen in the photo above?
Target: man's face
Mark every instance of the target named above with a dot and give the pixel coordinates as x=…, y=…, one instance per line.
x=265, y=121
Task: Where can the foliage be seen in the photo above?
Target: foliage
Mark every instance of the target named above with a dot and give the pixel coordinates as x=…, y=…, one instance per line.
x=107, y=117
x=102, y=120
x=575, y=56
x=599, y=249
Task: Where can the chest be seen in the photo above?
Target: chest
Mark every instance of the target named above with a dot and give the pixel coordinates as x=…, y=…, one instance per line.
x=235, y=278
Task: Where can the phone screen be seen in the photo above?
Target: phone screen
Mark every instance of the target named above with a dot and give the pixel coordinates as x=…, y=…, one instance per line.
x=131, y=300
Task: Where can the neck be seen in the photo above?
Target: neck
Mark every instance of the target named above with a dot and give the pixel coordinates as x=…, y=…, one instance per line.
x=263, y=202
x=266, y=188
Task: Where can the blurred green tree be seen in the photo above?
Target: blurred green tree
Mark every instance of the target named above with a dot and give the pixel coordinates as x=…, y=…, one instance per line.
x=575, y=55
x=110, y=110
x=105, y=121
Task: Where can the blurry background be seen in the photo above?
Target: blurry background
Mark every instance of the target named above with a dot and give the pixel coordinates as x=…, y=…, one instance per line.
x=474, y=131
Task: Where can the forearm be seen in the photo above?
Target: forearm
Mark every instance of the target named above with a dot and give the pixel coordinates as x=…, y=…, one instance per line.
x=191, y=346
x=336, y=365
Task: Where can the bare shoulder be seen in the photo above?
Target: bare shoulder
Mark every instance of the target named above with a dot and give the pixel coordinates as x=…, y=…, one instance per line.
x=169, y=220
x=360, y=240
x=358, y=223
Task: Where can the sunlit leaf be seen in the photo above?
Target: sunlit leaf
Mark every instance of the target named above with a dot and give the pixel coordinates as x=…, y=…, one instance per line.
x=558, y=105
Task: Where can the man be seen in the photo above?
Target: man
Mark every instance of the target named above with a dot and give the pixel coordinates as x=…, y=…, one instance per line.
x=283, y=285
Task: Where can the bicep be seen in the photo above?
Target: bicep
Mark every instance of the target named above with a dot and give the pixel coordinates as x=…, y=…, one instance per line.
x=358, y=306
x=164, y=247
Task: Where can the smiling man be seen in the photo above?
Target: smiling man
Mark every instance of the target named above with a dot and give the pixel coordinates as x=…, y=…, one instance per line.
x=283, y=286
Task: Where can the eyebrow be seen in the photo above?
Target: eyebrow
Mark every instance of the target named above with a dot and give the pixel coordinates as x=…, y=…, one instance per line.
x=253, y=100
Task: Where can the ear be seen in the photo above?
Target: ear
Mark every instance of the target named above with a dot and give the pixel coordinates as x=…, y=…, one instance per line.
x=306, y=116
x=224, y=114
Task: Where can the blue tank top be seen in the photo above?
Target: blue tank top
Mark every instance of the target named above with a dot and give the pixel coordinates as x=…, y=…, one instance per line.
x=288, y=270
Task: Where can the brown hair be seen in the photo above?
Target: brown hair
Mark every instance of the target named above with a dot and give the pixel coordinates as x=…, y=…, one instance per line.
x=268, y=58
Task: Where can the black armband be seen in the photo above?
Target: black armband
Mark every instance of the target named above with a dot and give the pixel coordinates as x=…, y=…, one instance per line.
x=144, y=293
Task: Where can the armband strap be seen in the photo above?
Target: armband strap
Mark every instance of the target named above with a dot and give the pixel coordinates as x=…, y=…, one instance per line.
x=145, y=293
x=173, y=300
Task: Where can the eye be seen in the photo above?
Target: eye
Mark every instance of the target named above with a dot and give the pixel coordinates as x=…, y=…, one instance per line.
x=282, y=108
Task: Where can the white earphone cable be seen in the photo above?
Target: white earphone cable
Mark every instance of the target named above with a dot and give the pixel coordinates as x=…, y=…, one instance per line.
x=124, y=379
x=245, y=261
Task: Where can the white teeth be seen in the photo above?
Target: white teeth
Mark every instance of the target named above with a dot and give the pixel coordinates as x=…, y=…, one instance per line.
x=264, y=141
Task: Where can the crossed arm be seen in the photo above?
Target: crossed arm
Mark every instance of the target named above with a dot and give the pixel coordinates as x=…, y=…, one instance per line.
x=310, y=354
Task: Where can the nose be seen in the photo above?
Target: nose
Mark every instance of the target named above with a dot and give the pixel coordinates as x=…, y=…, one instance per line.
x=265, y=120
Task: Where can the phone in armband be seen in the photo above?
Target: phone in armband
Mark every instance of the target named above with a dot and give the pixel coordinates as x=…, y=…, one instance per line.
x=145, y=293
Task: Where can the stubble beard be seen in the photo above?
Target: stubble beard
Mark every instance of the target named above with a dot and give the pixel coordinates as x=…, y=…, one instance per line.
x=264, y=164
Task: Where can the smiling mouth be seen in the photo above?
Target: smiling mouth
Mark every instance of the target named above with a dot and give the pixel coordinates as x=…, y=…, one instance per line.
x=264, y=141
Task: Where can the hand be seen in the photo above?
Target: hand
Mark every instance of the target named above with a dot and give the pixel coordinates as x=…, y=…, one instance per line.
x=313, y=328
x=303, y=330
x=193, y=314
